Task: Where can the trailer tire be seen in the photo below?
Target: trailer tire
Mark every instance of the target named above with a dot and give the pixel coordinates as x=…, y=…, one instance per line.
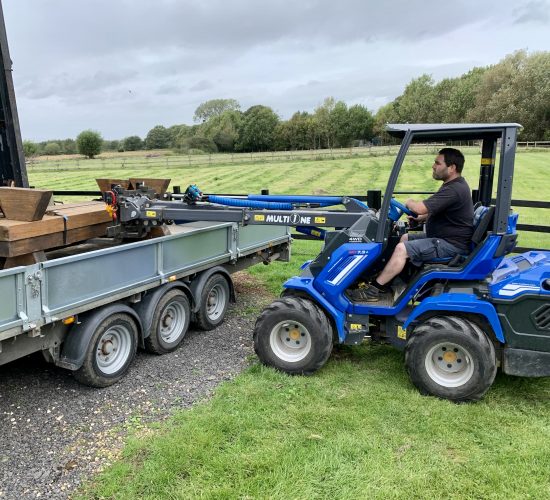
x=451, y=358
x=213, y=302
x=116, y=335
x=170, y=322
x=293, y=335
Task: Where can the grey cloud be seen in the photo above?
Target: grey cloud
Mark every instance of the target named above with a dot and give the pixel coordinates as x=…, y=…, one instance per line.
x=200, y=86
x=122, y=65
x=537, y=11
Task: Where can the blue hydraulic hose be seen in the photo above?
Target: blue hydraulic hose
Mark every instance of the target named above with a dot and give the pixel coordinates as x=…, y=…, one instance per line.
x=237, y=202
x=323, y=200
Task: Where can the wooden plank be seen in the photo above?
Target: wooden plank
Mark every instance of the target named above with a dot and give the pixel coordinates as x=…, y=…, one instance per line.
x=49, y=241
x=11, y=230
x=77, y=215
x=24, y=204
x=82, y=215
x=23, y=260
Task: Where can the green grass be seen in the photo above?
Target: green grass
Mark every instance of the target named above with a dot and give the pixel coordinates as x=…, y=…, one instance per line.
x=357, y=428
x=351, y=176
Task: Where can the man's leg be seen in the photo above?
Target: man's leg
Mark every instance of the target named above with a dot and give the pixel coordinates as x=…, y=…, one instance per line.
x=394, y=266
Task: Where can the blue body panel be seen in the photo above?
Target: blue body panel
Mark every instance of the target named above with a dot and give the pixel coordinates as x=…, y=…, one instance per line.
x=520, y=275
x=347, y=263
x=459, y=302
x=305, y=284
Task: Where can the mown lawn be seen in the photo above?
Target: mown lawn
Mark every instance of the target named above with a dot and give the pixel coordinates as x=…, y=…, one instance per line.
x=357, y=428
x=349, y=176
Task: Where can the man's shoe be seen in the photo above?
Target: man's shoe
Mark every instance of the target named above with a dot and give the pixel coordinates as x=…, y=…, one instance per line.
x=364, y=294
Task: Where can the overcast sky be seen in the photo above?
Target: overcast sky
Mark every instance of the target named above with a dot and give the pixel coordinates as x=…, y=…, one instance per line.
x=124, y=66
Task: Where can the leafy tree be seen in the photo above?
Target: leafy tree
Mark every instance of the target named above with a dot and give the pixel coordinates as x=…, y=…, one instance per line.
x=215, y=107
x=173, y=133
x=183, y=133
x=223, y=129
x=324, y=131
x=361, y=123
x=68, y=146
x=52, y=148
x=29, y=148
x=386, y=114
x=111, y=145
x=417, y=103
x=340, y=125
x=256, y=132
x=132, y=143
x=198, y=143
x=89, y=143
x=157, y=138
x=517, y=89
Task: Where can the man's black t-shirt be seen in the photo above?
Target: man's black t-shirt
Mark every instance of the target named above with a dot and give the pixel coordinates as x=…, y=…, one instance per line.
x=450, y=214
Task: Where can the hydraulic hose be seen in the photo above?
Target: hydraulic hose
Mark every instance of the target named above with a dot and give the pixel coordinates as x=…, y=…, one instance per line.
x=237, y=202
x=322, y=200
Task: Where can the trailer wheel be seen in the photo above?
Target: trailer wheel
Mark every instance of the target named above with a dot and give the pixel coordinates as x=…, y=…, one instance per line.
x=111, y=350
x=170, y=322
x=293, y=335
x=213, y=304
x=451, y=358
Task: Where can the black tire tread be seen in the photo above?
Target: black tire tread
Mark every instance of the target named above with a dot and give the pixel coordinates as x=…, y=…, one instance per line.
x=86, y=374
x=466, y=327
x=201, y=320
x=314, y=312
x=151, y=342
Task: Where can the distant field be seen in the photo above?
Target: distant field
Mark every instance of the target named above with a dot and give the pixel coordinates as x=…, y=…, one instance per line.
x=348, y=175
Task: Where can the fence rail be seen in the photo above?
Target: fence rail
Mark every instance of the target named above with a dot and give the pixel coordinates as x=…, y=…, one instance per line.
x=183, y=161
x=164, y=161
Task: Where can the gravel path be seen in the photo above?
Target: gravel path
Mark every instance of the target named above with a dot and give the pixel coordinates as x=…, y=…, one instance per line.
x=56, y=432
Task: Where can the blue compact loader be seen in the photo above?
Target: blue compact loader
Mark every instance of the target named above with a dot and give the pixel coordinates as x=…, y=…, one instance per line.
x=457, y=319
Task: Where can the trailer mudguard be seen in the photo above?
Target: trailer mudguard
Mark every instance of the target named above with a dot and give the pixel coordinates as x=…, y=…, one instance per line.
x=462, y=303
x=77, y=340
x=305, y=284
x=198, y=283
x=146, y=308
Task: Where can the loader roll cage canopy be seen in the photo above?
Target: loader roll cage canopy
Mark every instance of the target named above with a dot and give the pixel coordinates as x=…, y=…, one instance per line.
x=490, y=135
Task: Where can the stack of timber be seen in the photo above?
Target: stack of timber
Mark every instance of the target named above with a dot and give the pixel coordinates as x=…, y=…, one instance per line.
x=30, y=227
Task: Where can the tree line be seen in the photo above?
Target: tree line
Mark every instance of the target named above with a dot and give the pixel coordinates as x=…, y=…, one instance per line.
x=517, y=89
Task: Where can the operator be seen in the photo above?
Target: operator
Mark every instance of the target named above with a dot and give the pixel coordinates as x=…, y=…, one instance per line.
x=449, y=217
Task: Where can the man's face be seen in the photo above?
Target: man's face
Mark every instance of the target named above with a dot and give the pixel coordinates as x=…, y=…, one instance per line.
x=440, y=171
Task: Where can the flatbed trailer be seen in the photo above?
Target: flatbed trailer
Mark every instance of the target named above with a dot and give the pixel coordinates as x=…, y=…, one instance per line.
x=89, y=311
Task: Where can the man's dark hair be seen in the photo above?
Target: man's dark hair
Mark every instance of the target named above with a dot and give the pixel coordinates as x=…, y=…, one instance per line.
x=453, y=157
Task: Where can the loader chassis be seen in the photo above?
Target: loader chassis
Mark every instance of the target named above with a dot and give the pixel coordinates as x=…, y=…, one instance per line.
x=456, y=320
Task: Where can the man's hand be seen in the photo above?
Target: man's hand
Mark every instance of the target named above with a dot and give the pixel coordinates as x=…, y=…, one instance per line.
x=417, y=207
x=419, y=218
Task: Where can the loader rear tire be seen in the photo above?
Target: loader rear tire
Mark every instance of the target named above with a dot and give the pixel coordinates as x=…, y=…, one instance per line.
x=451, y=358
x=293, y=335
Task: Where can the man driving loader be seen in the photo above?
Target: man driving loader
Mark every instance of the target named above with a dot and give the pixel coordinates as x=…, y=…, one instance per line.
x=448, y=215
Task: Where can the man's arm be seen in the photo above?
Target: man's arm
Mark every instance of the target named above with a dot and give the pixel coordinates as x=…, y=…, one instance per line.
x=416, y=206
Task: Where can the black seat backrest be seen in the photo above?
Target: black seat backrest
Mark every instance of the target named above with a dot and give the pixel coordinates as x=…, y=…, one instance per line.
x=483, y=225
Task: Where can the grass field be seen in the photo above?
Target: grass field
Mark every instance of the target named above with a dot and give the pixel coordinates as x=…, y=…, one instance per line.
x=357, y=428
x=350, y=176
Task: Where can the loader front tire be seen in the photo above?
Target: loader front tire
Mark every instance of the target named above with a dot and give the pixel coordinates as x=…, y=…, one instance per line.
x=293, y=335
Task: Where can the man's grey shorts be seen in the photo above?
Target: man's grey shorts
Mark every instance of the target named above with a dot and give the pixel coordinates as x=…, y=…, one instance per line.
x=422, y=249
